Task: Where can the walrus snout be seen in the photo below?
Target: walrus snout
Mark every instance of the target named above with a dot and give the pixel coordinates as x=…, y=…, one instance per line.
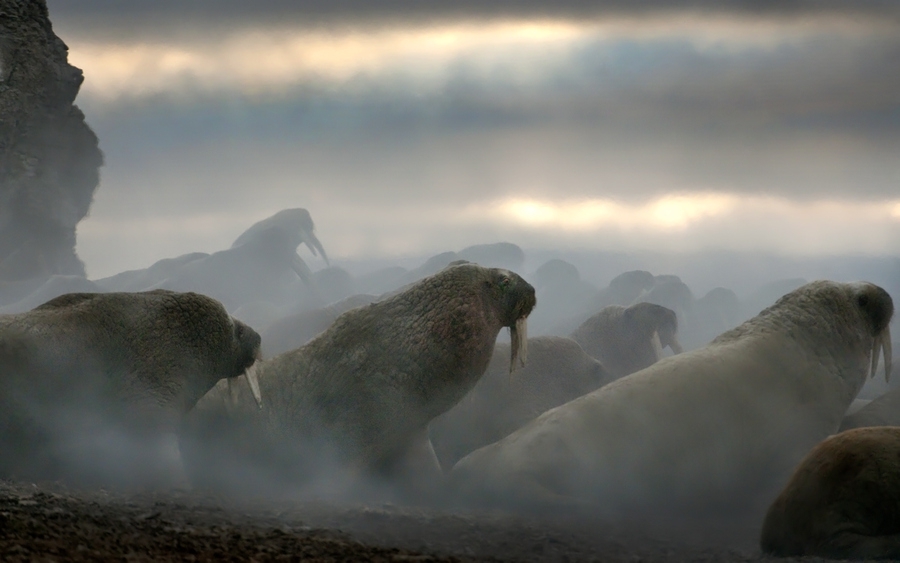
x=876, y=304
x=878, y=307
x=525, y=303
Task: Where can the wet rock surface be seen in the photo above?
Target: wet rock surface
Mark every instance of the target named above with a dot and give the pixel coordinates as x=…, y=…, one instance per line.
x=49, y=522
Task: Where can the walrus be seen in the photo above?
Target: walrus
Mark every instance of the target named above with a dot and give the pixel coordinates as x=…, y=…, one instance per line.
x=558, y=371
x=707, y=433
x=629, y=339
x=95, y=385
x=354, y=403
x=843, y=501
x=261, y=264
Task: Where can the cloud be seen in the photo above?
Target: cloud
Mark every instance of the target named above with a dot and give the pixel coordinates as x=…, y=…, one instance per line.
x=255, y=61
x=558, y=113
x=146, y=11
x=714, y=62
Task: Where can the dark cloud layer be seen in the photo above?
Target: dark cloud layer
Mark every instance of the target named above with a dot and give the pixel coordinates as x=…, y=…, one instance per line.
x=498, y=8
x=807, y=121
x=114, y=18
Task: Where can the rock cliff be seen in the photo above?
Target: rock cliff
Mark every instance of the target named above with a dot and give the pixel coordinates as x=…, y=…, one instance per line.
x=49, y=156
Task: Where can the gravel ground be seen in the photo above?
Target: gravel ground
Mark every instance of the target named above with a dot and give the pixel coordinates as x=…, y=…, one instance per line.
x=52, y=523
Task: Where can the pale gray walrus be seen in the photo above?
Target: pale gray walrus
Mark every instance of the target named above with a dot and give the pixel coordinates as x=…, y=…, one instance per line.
x=354, y=403
x=260, y=265
x=94, y=386
x=629, y=339
x=843, y=501
x=558, y=370
x=708, y=433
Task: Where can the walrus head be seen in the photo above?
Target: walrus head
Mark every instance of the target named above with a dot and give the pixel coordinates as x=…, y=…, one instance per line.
x=847, y=316
x=215, y=344
x=282, y=233
x=517, y=299
x=648, y=321
x=877, y=306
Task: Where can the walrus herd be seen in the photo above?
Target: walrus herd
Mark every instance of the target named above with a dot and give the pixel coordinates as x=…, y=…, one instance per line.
x=737, y=428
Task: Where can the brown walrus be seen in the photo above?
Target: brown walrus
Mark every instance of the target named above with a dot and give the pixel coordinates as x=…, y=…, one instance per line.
x=92, y=384
x=357, y=399
x=843, y=501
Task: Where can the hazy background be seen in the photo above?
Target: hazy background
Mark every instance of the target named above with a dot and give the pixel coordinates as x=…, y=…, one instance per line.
x=409, y=128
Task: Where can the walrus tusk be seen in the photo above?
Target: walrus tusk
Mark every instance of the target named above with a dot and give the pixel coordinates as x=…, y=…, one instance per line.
x=253, y=381
x=309, y=238
x=518, y=336
x=881, y=346
x=675, y=345
x=876, y=351
x=887, y=350
x=299, y=266
x=657, y=346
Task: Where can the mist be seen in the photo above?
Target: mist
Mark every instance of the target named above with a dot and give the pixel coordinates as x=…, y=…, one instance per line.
x=725, y=154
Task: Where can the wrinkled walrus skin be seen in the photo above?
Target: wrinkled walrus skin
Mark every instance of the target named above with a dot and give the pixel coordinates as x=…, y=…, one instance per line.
x=356, y=400
x=88, y=381
x=843, y=501
x=714, y=432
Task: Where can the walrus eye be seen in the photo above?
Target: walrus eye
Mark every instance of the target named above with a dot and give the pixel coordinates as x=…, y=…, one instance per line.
x=862, y=301
x=505, y=282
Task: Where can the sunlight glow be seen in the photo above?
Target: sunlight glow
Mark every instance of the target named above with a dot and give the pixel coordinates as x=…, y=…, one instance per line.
x=253, y=61
x=270, y=60
x=702, y=220
x=671, y=212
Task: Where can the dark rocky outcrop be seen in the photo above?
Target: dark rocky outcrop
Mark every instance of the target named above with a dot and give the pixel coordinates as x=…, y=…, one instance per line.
x=49, y=156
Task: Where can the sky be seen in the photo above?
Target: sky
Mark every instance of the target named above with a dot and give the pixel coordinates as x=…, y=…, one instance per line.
x=411, y=128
